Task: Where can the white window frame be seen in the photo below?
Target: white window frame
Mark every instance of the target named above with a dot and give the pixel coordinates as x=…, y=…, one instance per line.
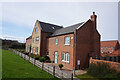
x=65, y=57
x=56, y=41
x=37, y=39
x=67, y=41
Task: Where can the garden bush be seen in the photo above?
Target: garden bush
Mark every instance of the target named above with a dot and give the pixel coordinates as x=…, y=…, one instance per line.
x=36, y=57
x=60, y=66
x=100, y=69
x=42, y=59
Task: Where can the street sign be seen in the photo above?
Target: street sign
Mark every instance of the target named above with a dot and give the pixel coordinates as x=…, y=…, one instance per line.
x=78, y=62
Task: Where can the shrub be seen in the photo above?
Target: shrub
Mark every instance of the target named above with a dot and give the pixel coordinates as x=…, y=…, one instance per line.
x=100, y=69
x=46, y=58
x=31, y=55
x=36, y=57
x=48, y=61
x=60, y=66
x=42, y=59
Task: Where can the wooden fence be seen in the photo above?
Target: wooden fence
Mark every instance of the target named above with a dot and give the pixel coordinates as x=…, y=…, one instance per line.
x=50, y=69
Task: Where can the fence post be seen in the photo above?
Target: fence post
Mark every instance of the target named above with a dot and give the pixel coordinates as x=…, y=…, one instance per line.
x=34, y=61
x=29, y=59
x=53, y=70
x=42, y=65
x=72, y=76
x=24, y=56
x=21, y=54
x=62, y=75
x=48, y=68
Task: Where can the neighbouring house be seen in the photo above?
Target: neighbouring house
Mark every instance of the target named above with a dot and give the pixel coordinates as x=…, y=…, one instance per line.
x=109, y=47
x=68, y=45
x=28, y=44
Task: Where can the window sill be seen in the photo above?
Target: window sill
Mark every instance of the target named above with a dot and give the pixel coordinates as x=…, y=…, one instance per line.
x=65, y=61
x=67, y=44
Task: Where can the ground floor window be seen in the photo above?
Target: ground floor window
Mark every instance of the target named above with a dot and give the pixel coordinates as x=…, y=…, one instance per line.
x=65, y=57
x=28, y=48
x=36, y=50
x=33, y=50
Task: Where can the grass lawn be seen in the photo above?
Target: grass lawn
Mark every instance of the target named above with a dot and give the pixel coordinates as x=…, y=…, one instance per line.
x=13, y=66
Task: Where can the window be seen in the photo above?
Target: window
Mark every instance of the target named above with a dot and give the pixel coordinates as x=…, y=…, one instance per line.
x=106, y=48
x=36, y=49
x=67, y=40
x=28, y=48
x=35, y=29
x=47, y=53
x=33, y=50
x=65, y=57
x=56, y=41
x=37, y=39
x=112, y=48
x=33, y=39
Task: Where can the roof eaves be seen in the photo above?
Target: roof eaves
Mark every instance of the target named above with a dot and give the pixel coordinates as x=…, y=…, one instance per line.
x=60, y=34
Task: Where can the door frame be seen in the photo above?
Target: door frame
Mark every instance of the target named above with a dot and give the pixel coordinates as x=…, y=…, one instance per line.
x=56, y=56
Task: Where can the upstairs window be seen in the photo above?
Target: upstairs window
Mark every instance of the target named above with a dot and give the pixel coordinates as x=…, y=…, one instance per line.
x=35, y=29
x=56, y=41
x=37, y=39
x=33, y=39
x=67, y=40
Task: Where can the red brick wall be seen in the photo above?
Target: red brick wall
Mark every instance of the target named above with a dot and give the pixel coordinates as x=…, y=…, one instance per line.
x=60, y=47
x=44, y=42
x=83, y=45
x=114, y=65
x=87, y=40
x=28, y=42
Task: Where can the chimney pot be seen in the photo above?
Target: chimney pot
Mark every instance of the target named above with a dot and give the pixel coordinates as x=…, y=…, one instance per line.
x=94, y=13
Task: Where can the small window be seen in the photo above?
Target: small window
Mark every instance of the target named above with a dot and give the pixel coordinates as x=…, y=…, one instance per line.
x=47, y=53
x=36, y=50
x=37, y=39
x=112, y=48
x=33, y=50
x=106, y=48
x=56, y=41
x=65, y=57
x=33, y=39
x=67, y=40
x=35, y=29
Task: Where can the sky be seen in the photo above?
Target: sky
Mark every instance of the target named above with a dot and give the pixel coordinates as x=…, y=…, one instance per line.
x=18, y=18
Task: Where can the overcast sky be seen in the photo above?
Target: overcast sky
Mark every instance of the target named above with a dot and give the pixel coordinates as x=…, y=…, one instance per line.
x=18, y=19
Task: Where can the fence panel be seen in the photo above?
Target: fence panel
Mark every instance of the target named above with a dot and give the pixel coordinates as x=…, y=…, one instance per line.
x=50, y=69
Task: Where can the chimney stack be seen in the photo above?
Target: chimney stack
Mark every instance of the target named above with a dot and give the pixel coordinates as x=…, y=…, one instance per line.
x=93, y=19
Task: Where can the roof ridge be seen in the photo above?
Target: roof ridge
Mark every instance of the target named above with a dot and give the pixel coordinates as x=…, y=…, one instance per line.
x=50, y=24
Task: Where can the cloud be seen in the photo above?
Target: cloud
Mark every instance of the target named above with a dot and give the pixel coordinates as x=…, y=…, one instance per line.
x=8, y=37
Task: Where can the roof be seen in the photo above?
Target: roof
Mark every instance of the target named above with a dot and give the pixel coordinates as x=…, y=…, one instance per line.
x=47, y=27
x=109, y=43
x=30, y=37
x=67, y=30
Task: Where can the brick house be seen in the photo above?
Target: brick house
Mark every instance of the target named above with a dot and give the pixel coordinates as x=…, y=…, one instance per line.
x=28, y=44
x=109, y=48
x=67, y=45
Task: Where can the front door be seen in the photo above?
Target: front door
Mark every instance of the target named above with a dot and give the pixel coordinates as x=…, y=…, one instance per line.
x=56, y=53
